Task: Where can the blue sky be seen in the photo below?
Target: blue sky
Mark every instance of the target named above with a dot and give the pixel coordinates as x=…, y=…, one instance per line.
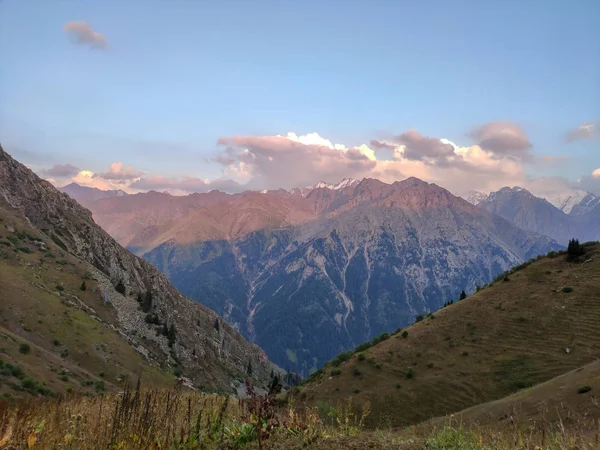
x=176, y=76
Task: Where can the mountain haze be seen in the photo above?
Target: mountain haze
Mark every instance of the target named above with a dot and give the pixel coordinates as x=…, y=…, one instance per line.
x=538, y=215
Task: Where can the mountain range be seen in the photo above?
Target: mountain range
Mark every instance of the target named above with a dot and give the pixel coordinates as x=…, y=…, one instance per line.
x=128, y=298
x=310, y=272
x=536, y=214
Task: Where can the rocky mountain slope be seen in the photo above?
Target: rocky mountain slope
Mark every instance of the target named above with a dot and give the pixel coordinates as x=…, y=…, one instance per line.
x=536, y=214
x=540, y=323
x=145, y=305
x=306, y=274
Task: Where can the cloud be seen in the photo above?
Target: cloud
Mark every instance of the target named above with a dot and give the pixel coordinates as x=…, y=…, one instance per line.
x=119, y=173
x=583, y=131
x=83, y=34
x=185, y=185
x=414, y=146
x=291, y=160
x=61, y=171
x=503, y=138
x=590, y=183
x=90, y=179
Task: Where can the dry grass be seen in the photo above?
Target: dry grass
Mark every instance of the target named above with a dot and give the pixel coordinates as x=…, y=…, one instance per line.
x=507, y=337
x=174, y=419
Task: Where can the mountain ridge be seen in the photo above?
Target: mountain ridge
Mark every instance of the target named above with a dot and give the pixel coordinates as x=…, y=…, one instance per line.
x=211, y=358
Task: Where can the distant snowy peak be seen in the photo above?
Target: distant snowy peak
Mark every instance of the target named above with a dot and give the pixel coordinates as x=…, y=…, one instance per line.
x=474, y=197
x=346, y=182
x=589, y=202
x=574, y=202
x=568, y=200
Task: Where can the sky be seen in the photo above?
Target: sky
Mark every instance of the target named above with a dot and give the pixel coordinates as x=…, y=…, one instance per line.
x=189, y=96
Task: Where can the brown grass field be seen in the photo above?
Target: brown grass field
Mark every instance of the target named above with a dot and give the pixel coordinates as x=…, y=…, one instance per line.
x=506, y=337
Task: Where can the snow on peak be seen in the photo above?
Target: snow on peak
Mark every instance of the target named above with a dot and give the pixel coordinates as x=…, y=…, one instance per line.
x=346, y=182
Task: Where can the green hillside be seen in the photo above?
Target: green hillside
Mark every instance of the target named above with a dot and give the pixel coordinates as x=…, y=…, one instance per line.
x=54, y=336
x=540, y=323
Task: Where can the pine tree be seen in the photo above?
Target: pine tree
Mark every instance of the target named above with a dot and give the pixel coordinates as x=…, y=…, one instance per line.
x=216, y=324
x=171, y=335
x=249, y=370
x=120, y=287
x=463, y=295
x=83, y=287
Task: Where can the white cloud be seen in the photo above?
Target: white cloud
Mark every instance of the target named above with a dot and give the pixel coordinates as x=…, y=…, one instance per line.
x=293, y=160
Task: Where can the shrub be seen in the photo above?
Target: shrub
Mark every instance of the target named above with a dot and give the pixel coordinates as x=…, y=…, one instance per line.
x=584, y=389
x=83, y=287
x=361, y=357
x=56, y=342
x=120, y=287
x=356, y=372
x=25, y=249
x=465, y=353
x=24, y=349
x=463, y=295
x=177, y=373
x=405, y=334
x=362, y=347
x=357, y=391
x=59, y=288
x=398, y=385
x=551, y=254
x=430, y=365
x=567, y=289
x=574, y=250
x=336, y=371
x=410, y=374
x=419, y=318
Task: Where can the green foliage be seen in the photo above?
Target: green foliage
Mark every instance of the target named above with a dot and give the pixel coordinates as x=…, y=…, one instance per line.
x=574, y=250
x=342, y=357
x=463, y=295
x=584, y=389
x=59, y=288
x=361, y=357
x=172, y=335
x=405, y=334
x=362, y=347
x=336, y=371
x=419, y=318
x=152, y=319
x=120, y=287
x=24, y=349
x=25, y=249
x=410, y=374
x=567, y=289
x=83, y=287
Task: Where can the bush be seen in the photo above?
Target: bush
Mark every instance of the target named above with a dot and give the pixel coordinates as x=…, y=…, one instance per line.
x=430, y=365
x=405, y=334
x=551, y=254
x=361, y=357
x=398, y=385
x=419, y=318
x=336, y=372
x=357, y=391
x=24, y=349
x=362, y=347
x=410, y=374
x=356, y=372
x=59, y=288
x=567, y=289
x=584, y=389
x=83, y=287
x=120, y=287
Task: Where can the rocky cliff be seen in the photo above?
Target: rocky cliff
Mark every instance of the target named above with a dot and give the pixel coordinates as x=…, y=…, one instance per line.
x=207, y=350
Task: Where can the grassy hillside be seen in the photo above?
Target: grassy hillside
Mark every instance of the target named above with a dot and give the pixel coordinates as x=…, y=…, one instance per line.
x=567, y=399
x=54, y=336
x=542, y=322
